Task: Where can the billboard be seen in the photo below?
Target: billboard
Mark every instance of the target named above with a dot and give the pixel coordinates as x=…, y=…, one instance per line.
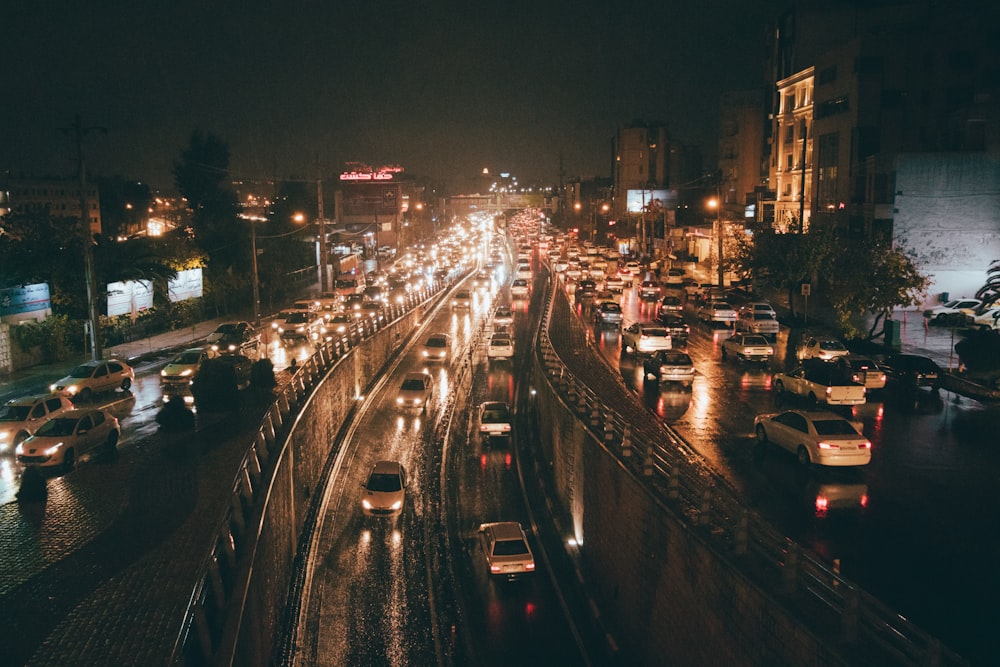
x=129, y=297
x=187, y=285
x=635, y=200
x=361, y=199
x=27, y=299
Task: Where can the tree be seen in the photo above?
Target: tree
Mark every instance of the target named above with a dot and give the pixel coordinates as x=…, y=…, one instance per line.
x=872, y=277
x=989, y=293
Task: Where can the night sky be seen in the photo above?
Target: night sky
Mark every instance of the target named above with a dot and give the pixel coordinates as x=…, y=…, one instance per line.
x=442, y=88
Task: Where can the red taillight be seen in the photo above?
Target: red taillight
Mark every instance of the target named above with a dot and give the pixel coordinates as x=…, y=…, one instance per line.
x=828, y=445
x=822, y=504
x=863, y=501
x=529, y=566
x=495, y=568
x=865, y=445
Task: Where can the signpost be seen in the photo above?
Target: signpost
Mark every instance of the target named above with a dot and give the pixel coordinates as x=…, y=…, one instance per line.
x=806, y=290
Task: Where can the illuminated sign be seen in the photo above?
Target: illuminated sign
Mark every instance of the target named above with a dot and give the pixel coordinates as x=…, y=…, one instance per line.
x=129, y=297
x=369, y=174
x=187, y=285
x=27, y=299
x=650, y=200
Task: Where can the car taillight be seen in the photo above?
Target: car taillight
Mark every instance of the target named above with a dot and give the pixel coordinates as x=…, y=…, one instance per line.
x=865, y=445
x=529, y=566
x=495, y=568
x=828, y=445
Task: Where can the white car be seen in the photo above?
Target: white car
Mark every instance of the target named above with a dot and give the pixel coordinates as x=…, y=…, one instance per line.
x=717, y=311
x=180, y=372
x=747, y=347
x=68, y=437
x=494, y=419
x=958, y=311
x=826, y=349
x=415, y=391
x=645, y=338
x=814, y=436
x=505, y=548
x=820, y=382
x=462, y=299
x=302, y=325
x=95, y=377
x=988, y=319
x=503, y=315
x=385, y=491
x=758, y=322
x=21, y=417
x=437, y=347
x=501, y=347
x=519, y=288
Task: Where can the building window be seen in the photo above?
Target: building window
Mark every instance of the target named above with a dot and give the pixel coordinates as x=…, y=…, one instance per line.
x=826, y=176
x=790, y=134
x=789, y=103
x=838, y=105
x=786, y=191
x=789, y=161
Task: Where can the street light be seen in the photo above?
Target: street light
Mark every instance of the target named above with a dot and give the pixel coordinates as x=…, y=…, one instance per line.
x=716, y=203
x=254, y=219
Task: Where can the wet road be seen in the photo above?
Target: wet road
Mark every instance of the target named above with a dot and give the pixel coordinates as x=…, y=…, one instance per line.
x=916, y=527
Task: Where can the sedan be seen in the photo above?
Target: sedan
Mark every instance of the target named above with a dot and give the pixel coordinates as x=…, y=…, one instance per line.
x=21, y=417
x=814, y=436
x=671, y=304
x=67, y=438
x=519, y=289
x=180, y=372
x=863, y=370
x=494, y=419
x=95, y=377
x=747, y=347
x=462, y=299
x=717, y=311
x=501, y=347
x=505, y=548
x=645, y=338
x=385, y=491
x=675, y=325
x=826, y=349
x=415, y=391
x=608, y=314
x=503, y=315
x=649, y=290
x=669, y=366
x=437, y=347
x=911, y=371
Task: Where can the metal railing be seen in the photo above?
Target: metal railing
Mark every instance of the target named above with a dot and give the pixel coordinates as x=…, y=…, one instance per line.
x=705, y=501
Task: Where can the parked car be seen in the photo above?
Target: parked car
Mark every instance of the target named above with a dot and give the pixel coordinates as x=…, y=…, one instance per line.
x=864, y=371
x=462, y=299
x=21, y=417
x=987, y=319
x=180, y=372
x=717, y=312
x=415, y=391
x=820, y=382
x=669, y=366
x=70, y=437
x=608, y=314
x=747, y=347
x=505, y=548
x=385, y=490
x=501, y=346
x=95, y=377
x=437, y=347
x=494, y=419
x=234, y=338
x=955, y=312
x=814, y=436
x=645, y=338
x=675, y=325
x=824, y=349
x=909, y=371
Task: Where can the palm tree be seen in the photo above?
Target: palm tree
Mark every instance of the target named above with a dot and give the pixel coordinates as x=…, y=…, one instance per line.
x=989, y=293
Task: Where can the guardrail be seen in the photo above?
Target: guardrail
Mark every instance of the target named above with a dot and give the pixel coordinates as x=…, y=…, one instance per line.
x=209, y=632
x=705, y=501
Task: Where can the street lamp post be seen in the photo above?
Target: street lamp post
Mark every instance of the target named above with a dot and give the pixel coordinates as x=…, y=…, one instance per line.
x=254, y=219
x=716, y=203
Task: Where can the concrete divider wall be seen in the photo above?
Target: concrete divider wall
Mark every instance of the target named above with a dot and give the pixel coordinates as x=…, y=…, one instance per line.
x=665, y=594
x=297, y=478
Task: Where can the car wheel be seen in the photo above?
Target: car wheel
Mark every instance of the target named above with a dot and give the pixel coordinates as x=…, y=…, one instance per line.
x=126, y=384
x=812, y=399
x=779, y=388
x=111, y=446
x=69, y=460
x=803, y=456
x=86, y=394
x=761, y=435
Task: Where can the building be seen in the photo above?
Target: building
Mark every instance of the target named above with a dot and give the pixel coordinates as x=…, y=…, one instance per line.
x=792, y=152
x=60, y=198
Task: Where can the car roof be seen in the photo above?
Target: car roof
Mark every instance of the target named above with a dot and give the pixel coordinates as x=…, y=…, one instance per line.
x=415, y=376
x=387, y=468
x=30, y=400
x=505, y=530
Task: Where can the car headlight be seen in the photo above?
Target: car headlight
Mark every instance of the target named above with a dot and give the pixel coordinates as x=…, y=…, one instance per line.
x=396, y=505
x=163, y=373
x=54, y=449
x=366, y=504
x=186, y=372
x=399, y=400
x=19, y=450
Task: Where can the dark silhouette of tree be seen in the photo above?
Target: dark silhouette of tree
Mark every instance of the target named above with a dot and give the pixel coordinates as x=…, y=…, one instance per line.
x=989, y=293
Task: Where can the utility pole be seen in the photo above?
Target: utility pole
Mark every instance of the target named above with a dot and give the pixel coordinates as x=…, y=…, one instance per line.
x=323, y=283
x=79, y=131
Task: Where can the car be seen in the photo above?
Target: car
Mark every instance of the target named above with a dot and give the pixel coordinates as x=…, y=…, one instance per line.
x=645, y=338
x=649, y=290
x=955, y=312
x=501, y=346
x=820, y=382
x=864, y=370
x=345, y=286
x=560, y=265
x=437, y=347
x=95, y=377
x=353, y=303
x=415, y=391
x=909, y=371
x=615, y=282
x=462, y=299
x=696, y=289
x=519, y=288
x=278, y=323
x=608, y=314
x=385, y=489
x=671, y=304
x=482, y=281
x=987, y=319
x=374, y=293
x=494, y=419
x=234, y=338
x=69, y=437
x=180, y=372
x=586, y=287
x=814, y=347
x=523, y=271
x=506, y=550
x=747, y=347
x=633, y=268
x=669, y=366
x=759, y=307
x=374, y=310
x=675, y=278
x=717, y=312
x=301, y=325
x=675, y=325
x=342, y=324
x=503, y=315
x=758, y=322
x=21, y=417
x=814, y=436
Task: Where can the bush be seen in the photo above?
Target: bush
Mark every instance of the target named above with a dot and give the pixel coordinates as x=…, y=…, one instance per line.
x=262, y=375
x=57, y=336
x=215, y=387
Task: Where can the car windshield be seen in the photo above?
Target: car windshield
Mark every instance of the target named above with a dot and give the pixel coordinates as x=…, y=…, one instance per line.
x=510, y=548
x=611, y=307
x=763, y=316
x=297, y=318
x=226, y=329
x=83, y=371
x=500, y=341
x=188, y=358
x=754, y=340
x=436, y=341
x=345, y=284
x=520, y=282
x=653, y=331
x=412, y=385
x=384, y=483
x=833, y=427
x=58, y=427
x=831, y=345
x=14, y=413
x=461, y=295
x=493, y=415
x=676, y=359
